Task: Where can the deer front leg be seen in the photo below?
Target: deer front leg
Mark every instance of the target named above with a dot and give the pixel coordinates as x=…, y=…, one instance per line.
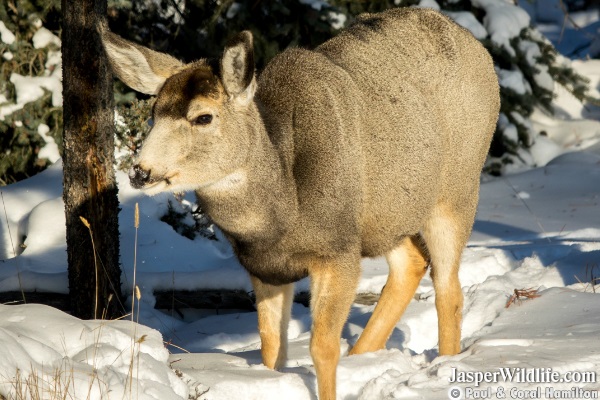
x=274, y=304
x=333, y=288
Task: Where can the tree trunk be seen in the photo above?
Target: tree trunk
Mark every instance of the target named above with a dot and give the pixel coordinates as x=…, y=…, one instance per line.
x=90, y=188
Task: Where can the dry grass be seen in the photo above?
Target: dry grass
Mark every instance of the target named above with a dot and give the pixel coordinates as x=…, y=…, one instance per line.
x=87, y=225
x=13, y=248
x=60, y=382
x=591, y=278
x=63, y=383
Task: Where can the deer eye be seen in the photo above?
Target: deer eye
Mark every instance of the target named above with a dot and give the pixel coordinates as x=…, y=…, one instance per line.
x=203, y=119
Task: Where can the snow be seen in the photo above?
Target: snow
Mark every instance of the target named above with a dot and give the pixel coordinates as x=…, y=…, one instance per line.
x=50, y=150
x=429, y=4
x=503, y=21
x=86, y=359
x=510, y=130
x=172, y=9
x=467, y=20
x=537, y=228
x=576, y=36
x=233, y=9
x=513, y=79
x=547, y=11
x=337, y=20
x=532, y=53
x=314, y=4
x=29, y=88
x=575, y=126
x=6, y=35
x=43, y=38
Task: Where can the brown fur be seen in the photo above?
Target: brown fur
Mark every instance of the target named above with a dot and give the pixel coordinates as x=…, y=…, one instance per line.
x=408, y=264
x=333, y=282
x=370, y=145
x=273, y=320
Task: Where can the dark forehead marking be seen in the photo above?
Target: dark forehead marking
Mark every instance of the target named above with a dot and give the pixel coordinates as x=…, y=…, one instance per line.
x=180, y=89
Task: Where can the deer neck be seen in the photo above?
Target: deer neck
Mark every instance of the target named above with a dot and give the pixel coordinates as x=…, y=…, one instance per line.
x=255, y=203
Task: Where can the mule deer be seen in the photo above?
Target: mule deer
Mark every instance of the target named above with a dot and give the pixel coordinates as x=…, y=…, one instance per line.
x=372, y=144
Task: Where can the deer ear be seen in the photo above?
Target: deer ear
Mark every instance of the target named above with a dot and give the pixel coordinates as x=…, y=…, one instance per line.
x=237, y=67
x=138, y=67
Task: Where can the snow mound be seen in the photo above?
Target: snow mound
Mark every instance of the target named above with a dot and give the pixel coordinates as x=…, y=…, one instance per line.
x=56, y=354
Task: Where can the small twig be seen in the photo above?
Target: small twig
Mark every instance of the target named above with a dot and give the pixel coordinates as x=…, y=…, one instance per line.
x=169, y=343
x=568, y=17
x=589, y=268
x=176, y=7
x=12, y=7
x=520, y=294
x=112, y=285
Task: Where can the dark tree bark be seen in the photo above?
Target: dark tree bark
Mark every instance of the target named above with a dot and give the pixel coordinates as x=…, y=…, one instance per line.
x=90, y=188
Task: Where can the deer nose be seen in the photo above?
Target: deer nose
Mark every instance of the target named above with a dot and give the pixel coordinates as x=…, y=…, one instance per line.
x=138, y=177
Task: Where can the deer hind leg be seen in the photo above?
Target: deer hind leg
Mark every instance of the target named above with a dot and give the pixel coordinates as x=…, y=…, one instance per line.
x=446, y=233
x=333, y=288
x=274, y=304
x=407, y=264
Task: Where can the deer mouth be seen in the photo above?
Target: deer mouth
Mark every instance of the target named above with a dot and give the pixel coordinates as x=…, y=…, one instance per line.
x=159, y=185
x=140, y=178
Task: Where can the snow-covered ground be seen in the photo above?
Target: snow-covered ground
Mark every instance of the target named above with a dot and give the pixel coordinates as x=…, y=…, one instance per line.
x=538, y=228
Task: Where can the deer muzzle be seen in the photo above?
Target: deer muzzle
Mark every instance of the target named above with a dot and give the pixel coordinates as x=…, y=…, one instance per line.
x=139, y=177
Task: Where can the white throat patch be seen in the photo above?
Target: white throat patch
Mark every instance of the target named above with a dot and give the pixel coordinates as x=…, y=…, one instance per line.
x=230, y=182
